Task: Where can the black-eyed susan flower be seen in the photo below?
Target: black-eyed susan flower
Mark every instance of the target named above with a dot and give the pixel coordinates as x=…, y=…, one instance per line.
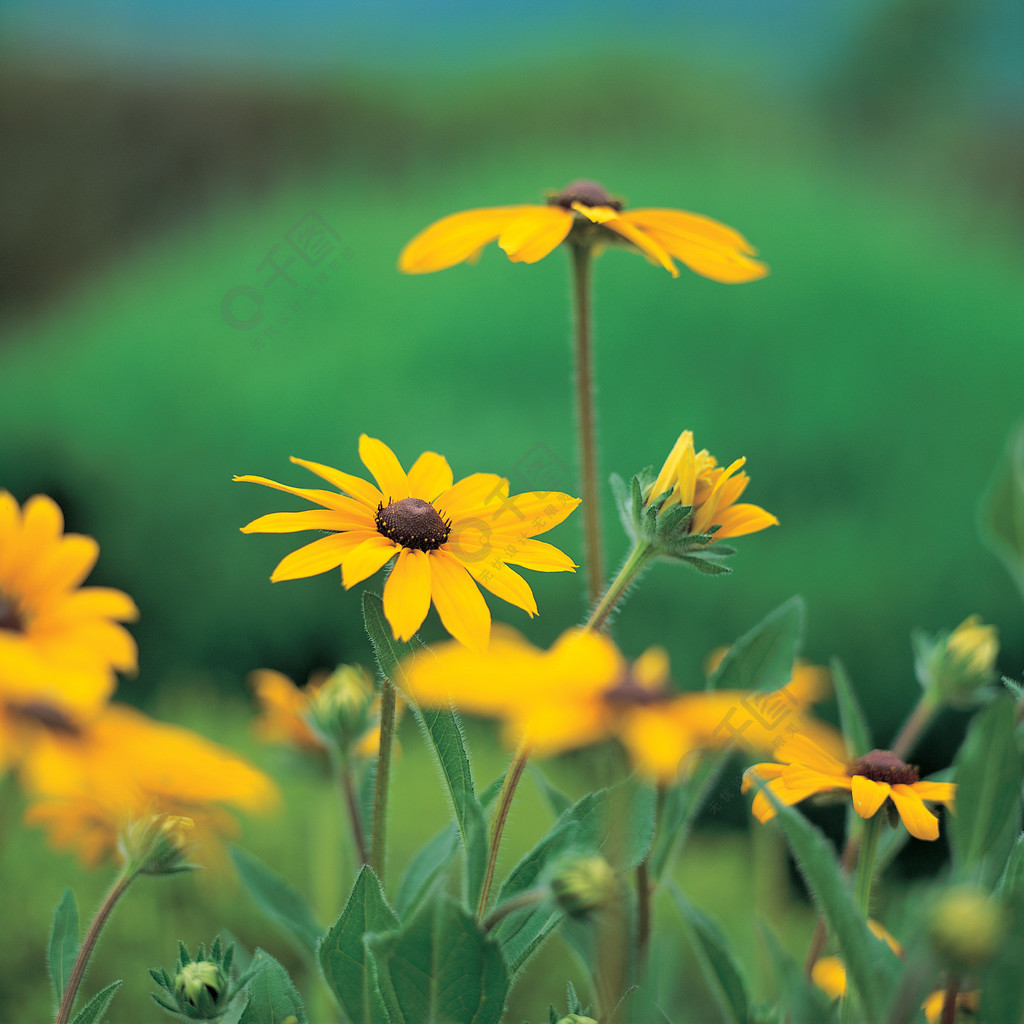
x=61, y=644
x=88, y=785
x=585, y=213
x=581, y=692
x=804, y=769
x=448, y=538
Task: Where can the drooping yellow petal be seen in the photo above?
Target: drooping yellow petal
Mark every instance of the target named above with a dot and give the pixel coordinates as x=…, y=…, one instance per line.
x=380, y=460
x=646, y=243
x=535, y=233
x=920, y=822
x=706, y=246
x=456, y=238
x=430, y=476
x=539, y=556
x=939, y=792
x=311, y=519
x=503, y=582
x=363, y=560
x=329, y=499
x=407, y=593
x=739, y=520
x=868, y=795
x=458, y=601
x=318, y=556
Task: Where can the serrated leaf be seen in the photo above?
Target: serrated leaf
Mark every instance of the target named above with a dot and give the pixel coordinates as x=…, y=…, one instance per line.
x=871, y=966
x=429, y=863
x=94, y=1010
x=762, y=659
x=856, y=730
x=440, y=969
x=64, y=943
x=273, y=999
x=1001, y=512
x=989, y=770
x=716, y=962
x=443, y=730
x=347, y=968
x=277, y=898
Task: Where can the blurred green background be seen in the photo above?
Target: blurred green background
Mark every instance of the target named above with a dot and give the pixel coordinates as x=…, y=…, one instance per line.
x=156, y=166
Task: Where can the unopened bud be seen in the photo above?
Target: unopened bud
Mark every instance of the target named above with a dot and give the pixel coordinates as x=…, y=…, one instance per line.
x=200, y=984
x=954, y=667
x=966, y=928
x=584, y=885
x=341, y=707
x=575, y=1018
x=158, y=845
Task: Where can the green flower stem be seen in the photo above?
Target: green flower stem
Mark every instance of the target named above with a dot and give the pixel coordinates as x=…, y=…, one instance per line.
x=586, y=432
x=117, y=890
x=342, y=769
x=919, y=720
x=498, y=819
x=638, y=559
x=380, y=796
x=643, y=917
x=530, y=898
x=949, y=1000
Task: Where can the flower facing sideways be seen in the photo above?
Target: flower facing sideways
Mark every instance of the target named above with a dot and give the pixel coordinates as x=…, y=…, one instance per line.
x=448, y=538
x=584, y=212
x=871, y=780
x=581, y=692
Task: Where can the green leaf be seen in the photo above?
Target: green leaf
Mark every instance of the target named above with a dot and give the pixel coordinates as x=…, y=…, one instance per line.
x=94, y=1010
x=856, y=731
x=440, y=969
x=1002, y=994
x=871, y=966
x=1011, y=883
x=443, y=730
x=1001, y=512
x=429, y=863
x=63, y=948
x=273, y=999
x=763, y=658
x=277, y=898
x=348, y=969
x=716, y=962
x=989, y=770
x=802, y=1001
x=557, y=800
x=638, y=1007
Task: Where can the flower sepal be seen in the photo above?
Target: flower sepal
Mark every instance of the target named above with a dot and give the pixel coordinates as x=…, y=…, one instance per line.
x=199, y=987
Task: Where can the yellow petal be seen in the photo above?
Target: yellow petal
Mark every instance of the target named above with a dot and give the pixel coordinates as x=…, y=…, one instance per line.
x=329, y=499
x=380, y=460
x=920, y=822
x=669, y=475
x=941, y=792
x=460, y=604
x=430, y=476
x=477, y=496
x=503, y=582
x=656, y=742
x=319, y=556
x=706, y=246
x=364, y=560
x=868, y=795
x=646, y=243
x=803, y=750
x=829, y=975
x=357, y=487
x=532, y=512
x=537, y=555
x=312, y=519
x=535, y=233
x=456, y=238
x=739, y=520
x=407, y=593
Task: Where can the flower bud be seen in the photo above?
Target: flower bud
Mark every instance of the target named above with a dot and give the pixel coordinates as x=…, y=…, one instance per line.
x=158, y=845
x=200, y=984
x=966, y=928
x=199, y=988
x=575, y=1018
x=953, y=667
x=584, y=885
x=340, y=708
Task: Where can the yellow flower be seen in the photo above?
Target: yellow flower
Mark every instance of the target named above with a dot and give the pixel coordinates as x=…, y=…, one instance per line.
x=448, y=538
x=585, y=210
x=872, y=780
x=581, y=692
x=829, y=974
x=60, y=643
x=695, y=480
x=86, y=786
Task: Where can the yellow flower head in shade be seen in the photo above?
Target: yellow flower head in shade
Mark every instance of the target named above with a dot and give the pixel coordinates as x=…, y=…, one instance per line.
x=581, y=692
x=691, y=479
x=61, y=644
x=871, y=780
x=586, y=212
x=829, y=974
x=87, y=785
x=448, y=537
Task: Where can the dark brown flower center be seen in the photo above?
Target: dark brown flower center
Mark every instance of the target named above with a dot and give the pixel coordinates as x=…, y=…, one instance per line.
x=46, y=715
x=884, y=766
x=589, y=193
x=628, y=692
x=413, y=523
x=9, y=617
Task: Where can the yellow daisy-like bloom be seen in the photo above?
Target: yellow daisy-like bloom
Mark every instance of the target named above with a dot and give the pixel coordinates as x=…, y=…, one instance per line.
x=581, y=692
x=695, y=480
x=829, y=974
x=86, y=786
x=61, y=644
x=585, y=210
x=871, y=780
x=448, y=537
